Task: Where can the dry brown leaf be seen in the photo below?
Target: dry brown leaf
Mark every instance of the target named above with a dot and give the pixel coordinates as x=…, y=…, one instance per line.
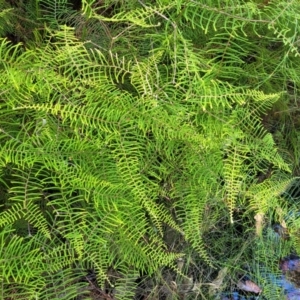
x=249, y=286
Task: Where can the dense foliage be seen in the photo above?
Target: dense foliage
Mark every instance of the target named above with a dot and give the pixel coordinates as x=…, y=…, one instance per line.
x=146, y=145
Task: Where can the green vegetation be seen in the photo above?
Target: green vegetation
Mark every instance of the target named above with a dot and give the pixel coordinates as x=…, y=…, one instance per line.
x=141, y=143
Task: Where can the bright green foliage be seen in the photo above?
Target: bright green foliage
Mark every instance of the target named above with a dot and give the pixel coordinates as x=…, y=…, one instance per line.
x=133, y=119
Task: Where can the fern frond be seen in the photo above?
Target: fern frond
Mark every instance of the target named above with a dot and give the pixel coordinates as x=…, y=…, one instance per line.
x=65, y=284
x=211, y=15
x=53, y=11
x=129, y=170
x=262, y=196
x=21, y=264
x=139, y=16
x=31, y=214
x=6, y=19
x=284, y=19
x=234, y=175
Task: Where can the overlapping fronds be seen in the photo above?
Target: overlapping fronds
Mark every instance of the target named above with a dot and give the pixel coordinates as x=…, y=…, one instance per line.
x=107, y=142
